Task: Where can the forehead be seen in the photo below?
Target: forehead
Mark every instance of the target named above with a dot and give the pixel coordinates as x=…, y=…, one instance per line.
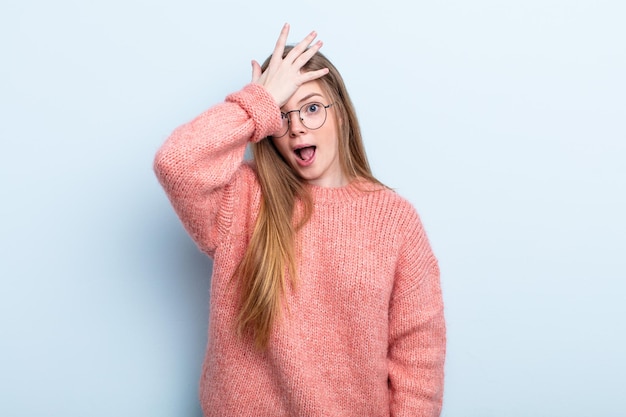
x=310, y=91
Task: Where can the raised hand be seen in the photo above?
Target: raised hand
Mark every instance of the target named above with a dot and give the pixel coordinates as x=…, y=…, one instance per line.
x=283, y=76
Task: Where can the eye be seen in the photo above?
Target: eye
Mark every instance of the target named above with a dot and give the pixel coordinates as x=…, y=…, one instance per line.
x=284, y=116
x=312, y=108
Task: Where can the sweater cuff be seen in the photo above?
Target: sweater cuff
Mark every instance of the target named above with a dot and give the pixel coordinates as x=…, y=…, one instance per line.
x=261, y=107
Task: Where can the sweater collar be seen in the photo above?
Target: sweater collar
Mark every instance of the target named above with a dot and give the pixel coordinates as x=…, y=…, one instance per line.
x=337, y=195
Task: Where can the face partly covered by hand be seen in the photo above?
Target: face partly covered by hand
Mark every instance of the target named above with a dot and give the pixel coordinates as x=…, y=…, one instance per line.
x=312, y=153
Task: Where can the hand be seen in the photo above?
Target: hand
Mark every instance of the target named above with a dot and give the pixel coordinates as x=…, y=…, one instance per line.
x=283, y=76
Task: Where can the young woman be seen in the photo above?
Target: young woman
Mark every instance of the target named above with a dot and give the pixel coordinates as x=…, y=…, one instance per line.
x=325, y=296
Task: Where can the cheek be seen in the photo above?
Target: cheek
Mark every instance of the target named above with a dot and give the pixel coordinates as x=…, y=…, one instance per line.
x=331, y=139
x=333, y=133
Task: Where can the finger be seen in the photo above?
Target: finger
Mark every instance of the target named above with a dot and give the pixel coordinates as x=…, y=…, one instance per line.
x=313, y=75
x=301, y=47
x=256, y=71
x=308, y=54
x=277, y=55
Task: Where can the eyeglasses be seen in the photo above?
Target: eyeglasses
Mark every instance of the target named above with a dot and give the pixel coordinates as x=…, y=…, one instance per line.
x=312, y=116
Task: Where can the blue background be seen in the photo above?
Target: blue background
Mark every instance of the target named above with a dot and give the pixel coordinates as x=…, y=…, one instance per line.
x=503, y=123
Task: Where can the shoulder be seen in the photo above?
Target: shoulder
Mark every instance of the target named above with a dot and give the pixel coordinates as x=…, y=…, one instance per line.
x=246, y=180
x=248, y=171
x=242, y=201
x=402, y=217
x=401, y=211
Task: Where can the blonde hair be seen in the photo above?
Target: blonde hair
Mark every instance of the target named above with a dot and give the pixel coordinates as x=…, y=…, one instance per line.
x=270, y=255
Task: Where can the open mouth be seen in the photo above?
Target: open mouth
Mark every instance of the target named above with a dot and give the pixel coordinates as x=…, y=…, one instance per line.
x=306, y=153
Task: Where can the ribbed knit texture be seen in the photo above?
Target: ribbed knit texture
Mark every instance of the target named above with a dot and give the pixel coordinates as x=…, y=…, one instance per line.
x=362, y=333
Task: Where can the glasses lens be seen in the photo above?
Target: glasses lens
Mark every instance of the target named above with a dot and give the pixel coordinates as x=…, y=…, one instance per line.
x=313, y=115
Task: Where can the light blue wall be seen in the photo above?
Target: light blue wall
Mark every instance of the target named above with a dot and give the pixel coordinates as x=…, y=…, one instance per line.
x=503, y=122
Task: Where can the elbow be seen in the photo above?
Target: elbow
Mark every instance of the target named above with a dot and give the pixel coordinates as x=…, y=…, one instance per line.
x=158, y=164
x=162, y=165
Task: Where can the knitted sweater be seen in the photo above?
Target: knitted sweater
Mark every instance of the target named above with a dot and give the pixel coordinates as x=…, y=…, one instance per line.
x=361, y=334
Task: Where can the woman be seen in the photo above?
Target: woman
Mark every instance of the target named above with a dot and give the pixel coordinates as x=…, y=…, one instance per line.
x=325, y=296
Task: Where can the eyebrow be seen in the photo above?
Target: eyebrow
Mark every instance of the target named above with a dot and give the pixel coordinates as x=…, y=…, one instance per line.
x=308, y=96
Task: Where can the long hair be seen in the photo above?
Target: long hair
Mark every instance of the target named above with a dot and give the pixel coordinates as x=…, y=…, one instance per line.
x=269, y=260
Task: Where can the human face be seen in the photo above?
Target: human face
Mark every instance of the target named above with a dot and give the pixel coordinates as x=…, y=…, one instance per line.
x=312, y=153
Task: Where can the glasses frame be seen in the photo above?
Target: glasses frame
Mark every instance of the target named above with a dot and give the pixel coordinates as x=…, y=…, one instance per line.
x=287, y=113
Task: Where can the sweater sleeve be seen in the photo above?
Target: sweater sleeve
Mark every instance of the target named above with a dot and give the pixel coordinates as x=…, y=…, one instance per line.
x=417, y=334
x=198, y=163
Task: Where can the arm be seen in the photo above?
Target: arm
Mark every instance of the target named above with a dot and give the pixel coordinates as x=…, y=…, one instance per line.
x=199, y=160
x=197, y=164
x=417, y=334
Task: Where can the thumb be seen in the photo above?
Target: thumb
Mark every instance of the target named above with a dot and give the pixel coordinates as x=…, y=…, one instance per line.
x=256, y=71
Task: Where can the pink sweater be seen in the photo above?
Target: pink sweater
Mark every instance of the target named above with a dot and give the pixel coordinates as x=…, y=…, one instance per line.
x=363, y=332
